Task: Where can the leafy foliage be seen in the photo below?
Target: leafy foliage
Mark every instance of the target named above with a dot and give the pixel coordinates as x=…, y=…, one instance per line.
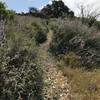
x=41, y=33
x=4, y=13
x=57, y=9
x=40, y=37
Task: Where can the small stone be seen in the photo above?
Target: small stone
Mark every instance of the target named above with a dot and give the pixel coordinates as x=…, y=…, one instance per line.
x=54, y=87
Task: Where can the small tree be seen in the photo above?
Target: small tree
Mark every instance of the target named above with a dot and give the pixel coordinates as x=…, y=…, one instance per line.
x=4, y=13
x=33, y=10
x=56, y=9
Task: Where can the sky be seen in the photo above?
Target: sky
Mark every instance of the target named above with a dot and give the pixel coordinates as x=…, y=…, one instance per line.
x=23, y=5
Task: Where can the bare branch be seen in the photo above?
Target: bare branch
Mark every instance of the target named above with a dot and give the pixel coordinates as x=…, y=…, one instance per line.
x=88, y=13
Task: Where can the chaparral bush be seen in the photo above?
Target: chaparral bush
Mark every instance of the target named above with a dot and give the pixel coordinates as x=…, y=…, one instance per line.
x=73, y=36
x=20, y=71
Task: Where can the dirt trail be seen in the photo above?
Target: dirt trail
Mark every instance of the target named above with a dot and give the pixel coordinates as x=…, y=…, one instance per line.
x=55, y=84
x=48, y=41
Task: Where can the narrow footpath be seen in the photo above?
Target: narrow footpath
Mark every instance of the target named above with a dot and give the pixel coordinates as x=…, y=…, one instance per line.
x=56, y=85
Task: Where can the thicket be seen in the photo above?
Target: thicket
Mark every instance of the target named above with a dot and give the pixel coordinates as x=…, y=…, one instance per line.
x=20, y=69
x=20, y=63
x=72, y=36
x=57, y=9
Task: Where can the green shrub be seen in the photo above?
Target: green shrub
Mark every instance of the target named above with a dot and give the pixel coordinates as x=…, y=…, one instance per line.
x=72, y=36
x=64, y=35
x=40, y=37
x=20, y=71
x=41, y=33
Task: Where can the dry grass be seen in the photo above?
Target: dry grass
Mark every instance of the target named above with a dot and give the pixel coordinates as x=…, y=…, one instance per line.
x=84, y=85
